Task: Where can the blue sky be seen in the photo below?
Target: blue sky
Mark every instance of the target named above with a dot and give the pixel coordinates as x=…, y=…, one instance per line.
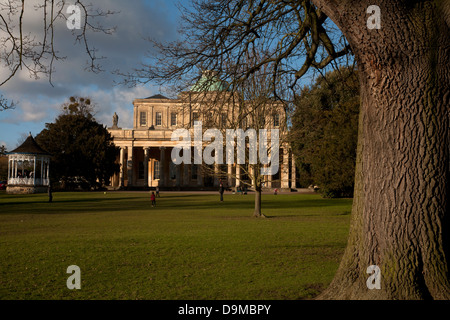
x=38, y=102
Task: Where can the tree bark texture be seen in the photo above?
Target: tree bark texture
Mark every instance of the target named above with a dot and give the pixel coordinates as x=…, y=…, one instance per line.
x=257, y=213
x=400, y=214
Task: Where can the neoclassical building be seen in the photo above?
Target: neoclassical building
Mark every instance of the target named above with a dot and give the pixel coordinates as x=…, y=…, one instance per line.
x=145, y=150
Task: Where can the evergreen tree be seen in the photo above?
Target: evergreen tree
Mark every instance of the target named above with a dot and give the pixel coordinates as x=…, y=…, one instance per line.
x=83, y=153
x=325, y=131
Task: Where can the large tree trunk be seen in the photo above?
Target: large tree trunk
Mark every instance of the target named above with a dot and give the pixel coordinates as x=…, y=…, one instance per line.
x=400, y=215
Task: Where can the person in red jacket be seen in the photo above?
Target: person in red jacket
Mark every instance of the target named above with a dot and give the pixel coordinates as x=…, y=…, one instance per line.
x=153, y=199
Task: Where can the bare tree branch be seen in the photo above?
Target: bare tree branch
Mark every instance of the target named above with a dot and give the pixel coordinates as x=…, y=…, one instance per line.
x=36, y=51
x=290, y=37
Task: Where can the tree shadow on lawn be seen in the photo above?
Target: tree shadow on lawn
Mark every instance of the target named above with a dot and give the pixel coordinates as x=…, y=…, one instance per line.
x=59, y=206
x=133, y=202
x=266, y=203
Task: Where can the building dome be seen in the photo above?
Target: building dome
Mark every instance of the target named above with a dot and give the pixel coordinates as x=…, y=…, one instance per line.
x=209, y=82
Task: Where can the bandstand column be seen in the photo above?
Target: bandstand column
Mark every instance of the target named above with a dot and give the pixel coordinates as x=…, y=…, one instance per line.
x=9, y=169
x=34, y=171
x=42, y=172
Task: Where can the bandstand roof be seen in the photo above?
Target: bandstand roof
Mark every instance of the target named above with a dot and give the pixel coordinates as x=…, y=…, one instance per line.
x=29, y=146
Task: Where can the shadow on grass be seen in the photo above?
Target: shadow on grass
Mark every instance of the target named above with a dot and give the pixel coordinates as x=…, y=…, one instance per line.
x=98, y=202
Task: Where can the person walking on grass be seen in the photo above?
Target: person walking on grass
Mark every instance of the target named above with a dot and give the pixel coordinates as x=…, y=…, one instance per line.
x=153, y=199
x=221, y=191
x=50, y=193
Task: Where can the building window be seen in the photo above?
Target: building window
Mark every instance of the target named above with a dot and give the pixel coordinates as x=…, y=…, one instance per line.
x=173, y=119
x=156, y=170
x=158, y=119
x=276, y=120
x=143, y=119
x=194, y=117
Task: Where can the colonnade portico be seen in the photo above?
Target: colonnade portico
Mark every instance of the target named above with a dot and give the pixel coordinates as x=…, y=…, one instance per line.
x=145, y=150
x=151, y=166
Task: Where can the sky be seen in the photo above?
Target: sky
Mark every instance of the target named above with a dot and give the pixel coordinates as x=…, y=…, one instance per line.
x=38, y=102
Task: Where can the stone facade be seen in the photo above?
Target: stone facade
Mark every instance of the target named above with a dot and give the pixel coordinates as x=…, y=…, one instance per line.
x=145, y=150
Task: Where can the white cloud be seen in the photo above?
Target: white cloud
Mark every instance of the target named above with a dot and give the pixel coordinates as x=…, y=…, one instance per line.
x=117, y=100
x=39, y=102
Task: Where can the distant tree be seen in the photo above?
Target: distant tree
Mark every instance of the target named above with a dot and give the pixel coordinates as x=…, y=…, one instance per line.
x=2, y=150
x=79, y=106
x=3, y=163
x=34, y=47
x=83, y=152
x=325, y=131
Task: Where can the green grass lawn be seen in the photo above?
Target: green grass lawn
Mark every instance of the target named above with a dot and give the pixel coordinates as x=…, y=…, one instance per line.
x=191, y=246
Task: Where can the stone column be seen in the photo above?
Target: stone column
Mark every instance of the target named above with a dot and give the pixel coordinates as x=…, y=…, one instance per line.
x=230, y=175
x=121, y=156
x=269, y=180
x=216, y=175
x=162, y=159
x=251, y=168
x=146, y=158
x=238, y=175
x=293, y=172
x=130, y=166
x=285, y=169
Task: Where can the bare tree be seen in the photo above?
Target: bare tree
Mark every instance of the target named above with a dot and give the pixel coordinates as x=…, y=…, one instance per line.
x=35, y=50
x=79, y=106
x=400, y=216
